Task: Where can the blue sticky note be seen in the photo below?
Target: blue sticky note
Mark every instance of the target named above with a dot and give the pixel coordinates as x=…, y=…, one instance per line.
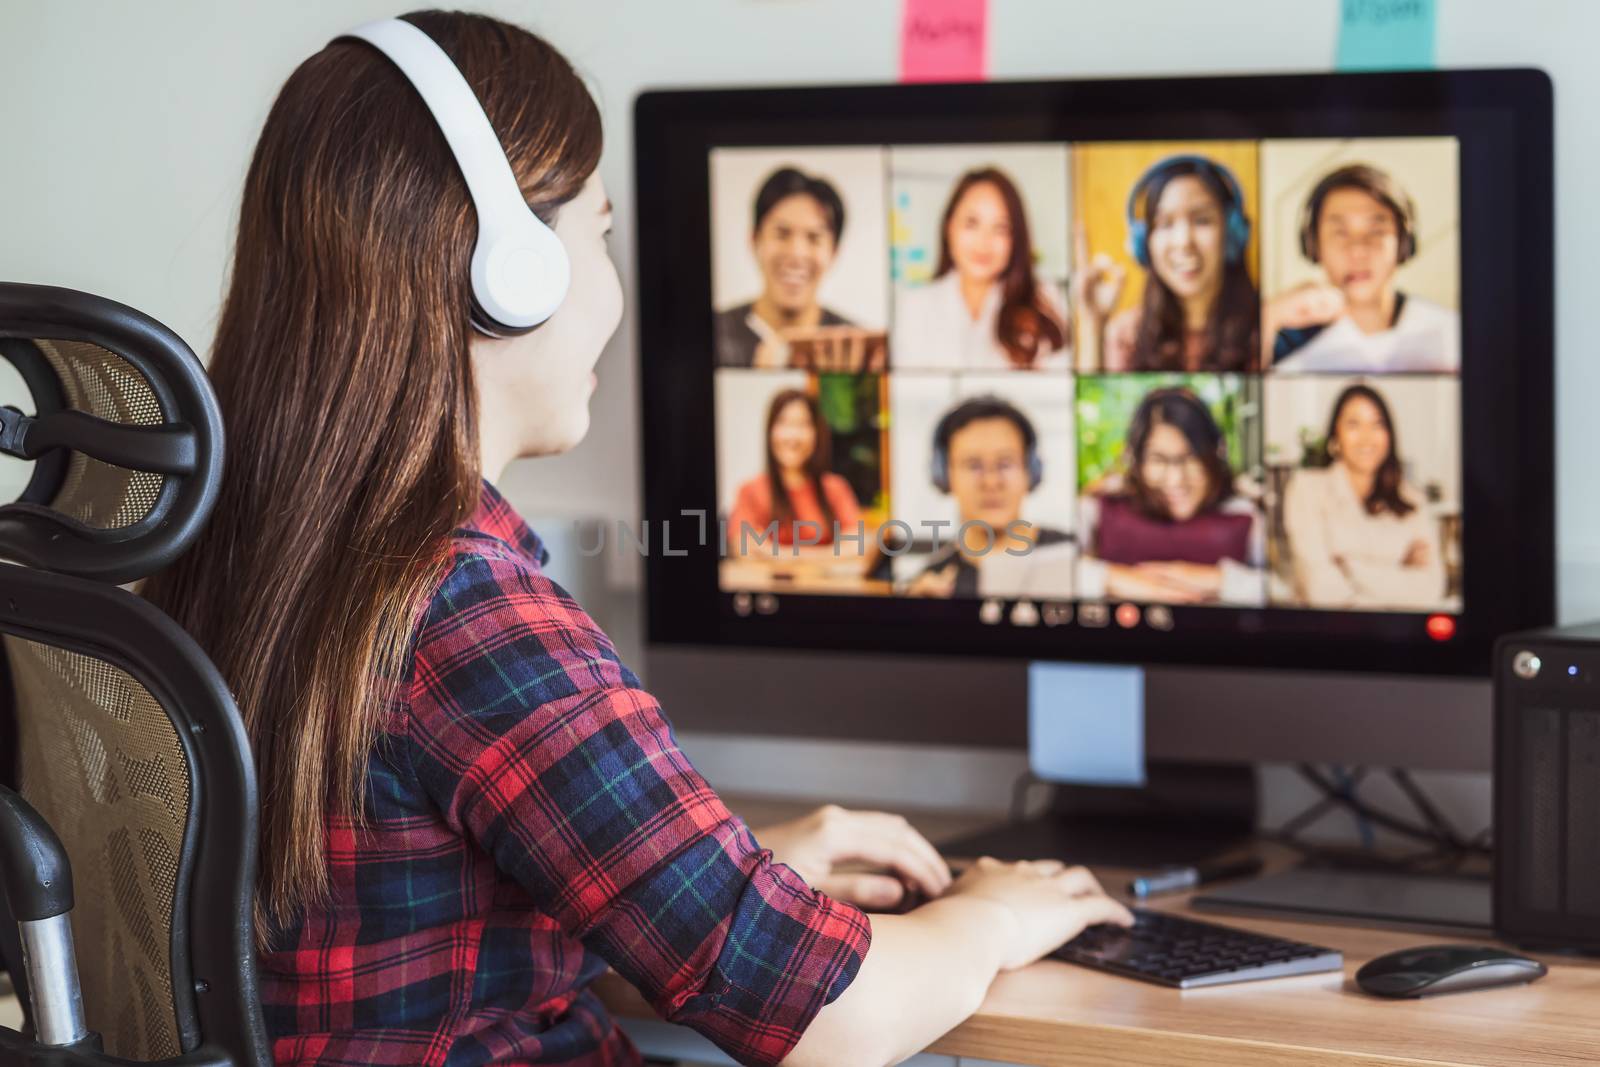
x=1086, y=723
x=1386, y=34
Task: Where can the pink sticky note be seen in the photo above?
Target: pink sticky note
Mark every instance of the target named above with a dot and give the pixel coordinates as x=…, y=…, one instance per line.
x=944, y=41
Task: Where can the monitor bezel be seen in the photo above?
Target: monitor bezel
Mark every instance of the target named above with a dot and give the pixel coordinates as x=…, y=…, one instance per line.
x=1503, y=119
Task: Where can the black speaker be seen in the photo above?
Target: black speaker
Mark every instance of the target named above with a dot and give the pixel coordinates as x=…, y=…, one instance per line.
x=1547, y=788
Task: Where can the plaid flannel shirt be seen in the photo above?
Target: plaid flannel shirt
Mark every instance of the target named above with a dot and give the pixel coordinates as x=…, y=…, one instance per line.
x=529, y=821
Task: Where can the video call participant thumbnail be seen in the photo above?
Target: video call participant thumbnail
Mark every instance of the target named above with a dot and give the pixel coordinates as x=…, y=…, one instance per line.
x=797, y=490
x=1172, y=529
x=1360, y=226
x=794, y=236
x=1358, y=535
x=986, y=457
x=984, y=308
x=1188, y=229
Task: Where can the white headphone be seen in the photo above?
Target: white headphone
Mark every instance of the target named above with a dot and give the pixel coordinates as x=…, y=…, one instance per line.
x=520, y=270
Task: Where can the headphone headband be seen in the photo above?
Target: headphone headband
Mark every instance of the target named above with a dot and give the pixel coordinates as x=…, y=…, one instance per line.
x=1224, y=175
x=520, y=271
x=1237, y=224
x=1396, y=199
x=939, y=462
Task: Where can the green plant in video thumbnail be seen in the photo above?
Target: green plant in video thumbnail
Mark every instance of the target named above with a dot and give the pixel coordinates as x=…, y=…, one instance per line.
x=1106, y=404
x=853, y=407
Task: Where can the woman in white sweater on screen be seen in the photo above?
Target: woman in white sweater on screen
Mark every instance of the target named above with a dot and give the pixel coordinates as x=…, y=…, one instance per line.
x=985, y=309
x=1358, y=534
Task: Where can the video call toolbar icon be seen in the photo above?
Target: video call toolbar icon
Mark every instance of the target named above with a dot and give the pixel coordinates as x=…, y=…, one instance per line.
x=1094, y=615
x=1024, y=613
x=991, y=612
x=1159, y=616
x=766, y=604
x=1127, y=616
x=742, y=603
x=1056, y=613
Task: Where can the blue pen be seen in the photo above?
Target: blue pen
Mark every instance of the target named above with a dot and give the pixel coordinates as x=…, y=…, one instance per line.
x=1180, y=878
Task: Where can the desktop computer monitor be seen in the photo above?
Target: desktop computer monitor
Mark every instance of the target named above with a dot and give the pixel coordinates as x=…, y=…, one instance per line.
x=1247, y=380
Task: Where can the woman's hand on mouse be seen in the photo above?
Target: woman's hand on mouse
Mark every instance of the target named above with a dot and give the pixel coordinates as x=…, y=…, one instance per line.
x=1040, y=905
x=816, y=845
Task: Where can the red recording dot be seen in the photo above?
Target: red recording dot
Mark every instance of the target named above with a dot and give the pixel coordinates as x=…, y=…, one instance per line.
x=1441, y=627
x=1127, y=616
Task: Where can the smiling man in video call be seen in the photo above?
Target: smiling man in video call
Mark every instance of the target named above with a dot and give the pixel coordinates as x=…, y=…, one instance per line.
x=795, y=233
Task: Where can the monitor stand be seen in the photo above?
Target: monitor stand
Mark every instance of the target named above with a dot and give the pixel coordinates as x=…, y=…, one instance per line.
x=1182, y=814
x=1111, y=806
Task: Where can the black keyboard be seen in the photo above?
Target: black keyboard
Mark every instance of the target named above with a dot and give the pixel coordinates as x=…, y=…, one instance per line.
x=1187, y=954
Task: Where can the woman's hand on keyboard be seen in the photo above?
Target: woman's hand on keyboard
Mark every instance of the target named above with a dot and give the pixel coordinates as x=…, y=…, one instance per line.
x=898, y=860
x=1045, y=904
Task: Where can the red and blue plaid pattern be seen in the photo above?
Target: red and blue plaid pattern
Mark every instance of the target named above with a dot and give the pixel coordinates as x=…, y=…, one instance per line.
x=531, y=820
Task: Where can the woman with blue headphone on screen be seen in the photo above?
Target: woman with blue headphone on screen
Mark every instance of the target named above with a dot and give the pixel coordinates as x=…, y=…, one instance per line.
x=470, y=809
x=1200, y=312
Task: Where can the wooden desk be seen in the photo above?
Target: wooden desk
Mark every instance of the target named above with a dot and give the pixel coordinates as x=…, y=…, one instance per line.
x=1056, y=1015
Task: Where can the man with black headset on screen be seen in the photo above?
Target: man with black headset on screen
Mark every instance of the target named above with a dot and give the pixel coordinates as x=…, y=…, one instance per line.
x=986, y=457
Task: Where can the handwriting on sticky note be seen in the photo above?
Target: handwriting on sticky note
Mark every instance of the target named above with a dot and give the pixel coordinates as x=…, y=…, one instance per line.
x=1386, y=34
x=944, y=40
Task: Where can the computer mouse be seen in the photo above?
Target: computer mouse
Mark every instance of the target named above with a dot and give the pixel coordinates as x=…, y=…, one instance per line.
x=1430, y=969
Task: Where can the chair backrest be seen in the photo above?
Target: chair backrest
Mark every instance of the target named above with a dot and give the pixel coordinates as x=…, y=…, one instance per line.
x=127, y=740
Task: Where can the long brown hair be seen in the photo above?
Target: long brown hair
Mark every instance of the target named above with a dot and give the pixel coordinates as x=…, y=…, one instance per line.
x=342, y=366
x=1025, y=324
x=1233, y=328
x=816, y=463
x=1386, y=494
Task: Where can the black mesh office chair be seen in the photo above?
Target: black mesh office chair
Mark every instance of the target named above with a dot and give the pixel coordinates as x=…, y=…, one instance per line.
x=132, y=831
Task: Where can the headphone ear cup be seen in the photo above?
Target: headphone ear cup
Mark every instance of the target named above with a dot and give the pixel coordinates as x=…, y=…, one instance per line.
x=1408, y=246
x=939, y=470
x=1035, y=470
x=1139, y=242
x=1238, y=236
x=485, y=324
x=520, y=275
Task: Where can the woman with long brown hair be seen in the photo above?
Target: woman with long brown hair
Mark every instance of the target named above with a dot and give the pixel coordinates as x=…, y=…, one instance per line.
x=1171, y=526
x=469, y=807
x=985, y=308
x=1357, y=534
x=1200, y=310
x=797, y=493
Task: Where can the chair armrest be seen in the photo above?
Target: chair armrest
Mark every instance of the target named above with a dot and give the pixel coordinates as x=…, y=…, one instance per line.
x=36, y=873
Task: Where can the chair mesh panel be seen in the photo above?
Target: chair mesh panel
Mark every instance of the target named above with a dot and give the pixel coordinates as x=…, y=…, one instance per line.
x=101, y=761
x=102, y=383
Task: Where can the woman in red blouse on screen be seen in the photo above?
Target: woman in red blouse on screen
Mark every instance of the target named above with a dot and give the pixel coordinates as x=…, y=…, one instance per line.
x=797, y=493
x=470, y=808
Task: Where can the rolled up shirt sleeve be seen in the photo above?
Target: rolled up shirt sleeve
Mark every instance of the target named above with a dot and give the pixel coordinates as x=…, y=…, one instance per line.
x=539, y=745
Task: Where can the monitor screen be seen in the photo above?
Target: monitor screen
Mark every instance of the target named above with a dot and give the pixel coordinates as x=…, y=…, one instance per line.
x=1091, y=396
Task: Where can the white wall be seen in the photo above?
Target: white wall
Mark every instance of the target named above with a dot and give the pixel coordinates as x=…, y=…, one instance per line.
x=126, y=127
